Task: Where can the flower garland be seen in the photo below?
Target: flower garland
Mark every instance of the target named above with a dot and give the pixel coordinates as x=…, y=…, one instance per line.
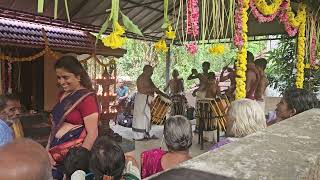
x=241, y=64
x=301, y=45
x=295, y=21
x=192, y=48
x=260, y=17
x=192, y=18
x=313, y=48
x=217, y=49
x=284, y=18
x=237, y=38
x=192, y=24
x=266, y=9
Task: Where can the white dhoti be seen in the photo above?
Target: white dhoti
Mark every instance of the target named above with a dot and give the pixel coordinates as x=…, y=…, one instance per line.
x=141, y=123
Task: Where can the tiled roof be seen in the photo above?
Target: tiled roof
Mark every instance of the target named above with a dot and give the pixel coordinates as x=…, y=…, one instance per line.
x=27, y=34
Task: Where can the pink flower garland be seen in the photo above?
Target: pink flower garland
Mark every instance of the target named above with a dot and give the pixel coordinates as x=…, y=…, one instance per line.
x=192, y=48
x=238, y=40
x=260, y=17
x=313, y=50
x=192, y=24
x=284, y=18
x=281, y=13
x=192, y=18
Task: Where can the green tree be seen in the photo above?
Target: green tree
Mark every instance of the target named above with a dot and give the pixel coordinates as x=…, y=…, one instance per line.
x=281, y=69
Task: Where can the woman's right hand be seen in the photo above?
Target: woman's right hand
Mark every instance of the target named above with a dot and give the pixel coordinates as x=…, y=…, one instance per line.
x=52, y=161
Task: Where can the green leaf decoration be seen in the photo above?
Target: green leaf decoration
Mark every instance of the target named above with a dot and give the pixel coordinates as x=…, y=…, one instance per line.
x=130, y=25
x=55, y=9
x=165, y=25
x=67, y=9
x=103, y=28
x=40, y=6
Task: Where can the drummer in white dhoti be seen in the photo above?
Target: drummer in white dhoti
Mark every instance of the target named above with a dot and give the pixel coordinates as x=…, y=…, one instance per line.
x=141, y=124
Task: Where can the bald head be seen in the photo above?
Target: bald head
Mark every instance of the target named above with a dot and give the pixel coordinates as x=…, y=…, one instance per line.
x=24, y=159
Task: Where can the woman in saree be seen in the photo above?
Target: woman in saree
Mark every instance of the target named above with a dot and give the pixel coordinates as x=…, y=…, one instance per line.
x=178, y=138
x=75, y=116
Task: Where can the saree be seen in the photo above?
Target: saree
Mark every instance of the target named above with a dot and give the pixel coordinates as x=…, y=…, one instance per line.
x=151, y=162
x=59, y=147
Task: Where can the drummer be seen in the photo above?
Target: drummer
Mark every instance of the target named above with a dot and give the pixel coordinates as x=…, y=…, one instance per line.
x=203, y=78
x=175, y=84
x=141, y=124
x=212, y=89
x=230, y=76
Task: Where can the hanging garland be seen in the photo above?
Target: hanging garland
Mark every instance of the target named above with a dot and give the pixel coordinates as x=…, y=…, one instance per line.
x=293, y=24
x=266, y=9
x=284, y=18
x=313, y=47
x=301, y=45
x=241, y=31
x=260, y=17
x=46, y=50
x=192, y=25
x=217, y=49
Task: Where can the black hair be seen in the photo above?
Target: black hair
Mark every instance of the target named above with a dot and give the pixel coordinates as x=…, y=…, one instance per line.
x=211, y=75
x=77, y=159
x=250, y=57
x=206, y=63
x=4, y=98
x=72, y=65
x=300, y=99
x=146, y=67
x=261, y=62
x=107, y=158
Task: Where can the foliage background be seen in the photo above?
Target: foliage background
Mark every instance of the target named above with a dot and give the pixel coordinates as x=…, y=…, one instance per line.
x=281, y=68
x=140, y=53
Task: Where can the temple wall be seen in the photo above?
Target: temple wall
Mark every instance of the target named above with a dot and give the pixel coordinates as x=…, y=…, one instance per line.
x=288, y=150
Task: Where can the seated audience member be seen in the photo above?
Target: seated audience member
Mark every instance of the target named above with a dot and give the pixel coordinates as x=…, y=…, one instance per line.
x=10, y=106
x=178, y=138
x=10, y=109
x=244, y=117
x=77, y=159
x=108, y=162
x=294, y=101
x=6, y=135
x=24, y=159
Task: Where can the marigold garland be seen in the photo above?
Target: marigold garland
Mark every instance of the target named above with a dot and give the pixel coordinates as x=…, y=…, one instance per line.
x=295, y=21
x=301, y=47
x=217, y=49
x=241, y=64
x=266, y=9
